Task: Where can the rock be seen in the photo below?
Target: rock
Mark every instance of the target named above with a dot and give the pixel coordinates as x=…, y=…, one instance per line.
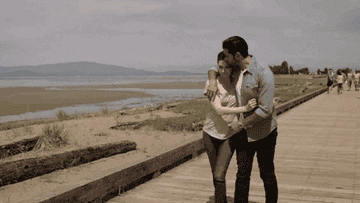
x=308, y=83
x=303, y=89
x=186, y=112
x=277, y=99
x=197, y=126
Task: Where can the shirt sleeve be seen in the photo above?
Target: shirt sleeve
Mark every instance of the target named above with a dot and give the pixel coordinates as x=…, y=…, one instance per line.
x=266, y=93
x=214, y=68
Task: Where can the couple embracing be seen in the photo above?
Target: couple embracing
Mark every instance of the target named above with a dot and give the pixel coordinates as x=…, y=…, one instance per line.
x=243, y=119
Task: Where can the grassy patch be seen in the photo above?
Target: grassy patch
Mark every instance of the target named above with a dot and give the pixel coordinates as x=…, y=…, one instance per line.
x=105, y=111
x=62, y=116
x=53, y=136
x=197, y=112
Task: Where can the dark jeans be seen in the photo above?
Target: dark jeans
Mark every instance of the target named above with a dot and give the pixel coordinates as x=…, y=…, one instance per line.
x=349, y=84
x=219, y=153
x=265, y=151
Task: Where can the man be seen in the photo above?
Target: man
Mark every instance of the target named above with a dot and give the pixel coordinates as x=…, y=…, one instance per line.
x=258, y=128
x=356, y=79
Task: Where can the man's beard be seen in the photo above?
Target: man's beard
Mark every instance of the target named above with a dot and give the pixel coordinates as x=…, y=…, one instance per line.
x=235, y=67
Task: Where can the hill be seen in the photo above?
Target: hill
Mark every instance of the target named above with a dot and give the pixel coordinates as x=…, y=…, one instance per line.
x=80, y=69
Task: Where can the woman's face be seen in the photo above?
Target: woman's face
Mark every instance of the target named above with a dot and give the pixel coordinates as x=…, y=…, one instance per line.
x=224, y=69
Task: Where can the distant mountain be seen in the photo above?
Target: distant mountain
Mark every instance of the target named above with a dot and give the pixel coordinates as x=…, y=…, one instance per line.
x=178, y=73
x=21, y=73
x=80, y=69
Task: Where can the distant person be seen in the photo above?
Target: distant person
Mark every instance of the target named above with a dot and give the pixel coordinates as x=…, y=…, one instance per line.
x=339, y=81
x=257, y=128
x=217, y=134
x=350, y=77
x=330, y=79
x=356, y=80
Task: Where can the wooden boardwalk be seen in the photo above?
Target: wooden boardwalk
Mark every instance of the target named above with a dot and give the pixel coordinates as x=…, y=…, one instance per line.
x=317, y=160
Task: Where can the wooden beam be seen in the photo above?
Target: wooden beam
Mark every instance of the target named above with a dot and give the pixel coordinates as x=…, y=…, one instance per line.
x=20, y=170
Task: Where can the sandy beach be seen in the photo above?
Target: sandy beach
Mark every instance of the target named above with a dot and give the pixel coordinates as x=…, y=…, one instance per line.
x=19, y=100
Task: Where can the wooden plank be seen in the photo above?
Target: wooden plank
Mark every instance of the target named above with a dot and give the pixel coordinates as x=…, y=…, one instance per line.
x=97, y=189
x=18, y=147
x=20, y=170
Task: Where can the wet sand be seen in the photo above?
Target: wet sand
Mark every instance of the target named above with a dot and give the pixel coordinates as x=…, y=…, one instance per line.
x=19, y=100
x=155, y=85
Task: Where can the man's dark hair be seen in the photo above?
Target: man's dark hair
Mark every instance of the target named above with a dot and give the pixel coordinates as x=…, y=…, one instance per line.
x=221, y=56
x=236, y=44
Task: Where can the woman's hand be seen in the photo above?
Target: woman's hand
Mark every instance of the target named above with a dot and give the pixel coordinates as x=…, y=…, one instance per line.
x=251, y=104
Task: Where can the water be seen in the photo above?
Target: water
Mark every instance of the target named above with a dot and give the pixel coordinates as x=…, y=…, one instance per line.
x=159, y=95
x=92, y=80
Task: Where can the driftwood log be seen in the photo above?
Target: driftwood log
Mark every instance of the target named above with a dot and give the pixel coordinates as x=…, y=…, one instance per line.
x=129, y=125
x=20, y=170
x=18, y=147
x=137, y=125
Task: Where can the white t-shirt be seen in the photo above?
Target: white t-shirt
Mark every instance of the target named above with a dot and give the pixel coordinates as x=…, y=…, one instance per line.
x=218, y=125
x=340, y=79
x=357, y=77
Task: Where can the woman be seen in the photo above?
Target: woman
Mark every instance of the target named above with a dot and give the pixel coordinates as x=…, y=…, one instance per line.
x=330, y=80
x=339, y=80
x=350, y=77
x=216, y=131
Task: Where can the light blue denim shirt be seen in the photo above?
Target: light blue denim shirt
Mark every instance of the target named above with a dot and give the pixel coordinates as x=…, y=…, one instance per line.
x=259, y=82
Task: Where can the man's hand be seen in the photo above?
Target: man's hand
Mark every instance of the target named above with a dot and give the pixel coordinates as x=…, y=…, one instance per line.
x=212, y=90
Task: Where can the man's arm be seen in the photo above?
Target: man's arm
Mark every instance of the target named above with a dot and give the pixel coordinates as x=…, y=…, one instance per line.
x=212, y=90
x=265, y=100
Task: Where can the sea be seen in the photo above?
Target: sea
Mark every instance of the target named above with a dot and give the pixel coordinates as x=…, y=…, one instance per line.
x=158, y=95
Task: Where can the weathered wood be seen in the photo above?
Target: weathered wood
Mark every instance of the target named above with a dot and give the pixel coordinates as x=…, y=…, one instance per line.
x=18, y=147
x=129, y=125
x=16, y=171
x=294, y=102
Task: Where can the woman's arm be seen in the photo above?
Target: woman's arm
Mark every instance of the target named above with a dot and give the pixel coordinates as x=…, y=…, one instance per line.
x=216, y=104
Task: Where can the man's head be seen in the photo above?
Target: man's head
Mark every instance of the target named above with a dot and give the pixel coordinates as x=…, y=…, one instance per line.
x=235, y=49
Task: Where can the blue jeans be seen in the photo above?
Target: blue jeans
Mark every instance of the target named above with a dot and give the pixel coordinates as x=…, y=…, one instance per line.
x=219, y=153
x=265, y=151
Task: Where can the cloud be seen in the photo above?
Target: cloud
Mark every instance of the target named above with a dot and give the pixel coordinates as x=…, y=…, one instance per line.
x=205, y=2
x=294, y=33
x=199, y=31
x=120, y=7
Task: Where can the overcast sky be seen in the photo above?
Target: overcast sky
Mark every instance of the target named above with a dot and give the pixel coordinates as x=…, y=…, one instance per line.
x=164, y=35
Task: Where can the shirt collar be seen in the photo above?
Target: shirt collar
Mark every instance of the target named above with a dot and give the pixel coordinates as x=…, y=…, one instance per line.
x=251, y=67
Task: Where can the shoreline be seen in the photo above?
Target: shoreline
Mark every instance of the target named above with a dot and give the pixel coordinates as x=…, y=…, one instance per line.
x=21, y=100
